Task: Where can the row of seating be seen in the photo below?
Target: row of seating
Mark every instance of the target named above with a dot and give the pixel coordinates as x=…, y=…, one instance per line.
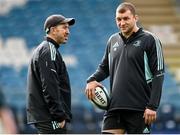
x=87, y=42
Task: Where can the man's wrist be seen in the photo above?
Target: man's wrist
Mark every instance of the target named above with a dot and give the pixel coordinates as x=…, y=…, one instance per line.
x=91, y=79
x=151, y=108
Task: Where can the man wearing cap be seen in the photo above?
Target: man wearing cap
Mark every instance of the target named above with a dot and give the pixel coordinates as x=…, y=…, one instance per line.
x=48, y=85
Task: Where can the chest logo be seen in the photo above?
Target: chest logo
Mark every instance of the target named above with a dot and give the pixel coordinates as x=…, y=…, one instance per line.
x=115, y=46
x=137, y=43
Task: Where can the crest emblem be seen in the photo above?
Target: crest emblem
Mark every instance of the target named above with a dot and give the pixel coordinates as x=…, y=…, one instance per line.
x=137, y=43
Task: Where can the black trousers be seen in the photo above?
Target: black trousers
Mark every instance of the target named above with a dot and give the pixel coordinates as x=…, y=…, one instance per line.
x=52, y=127
x=131, y=121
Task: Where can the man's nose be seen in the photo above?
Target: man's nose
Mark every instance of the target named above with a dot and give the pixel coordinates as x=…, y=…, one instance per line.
x=122, y=22
x=67, y=31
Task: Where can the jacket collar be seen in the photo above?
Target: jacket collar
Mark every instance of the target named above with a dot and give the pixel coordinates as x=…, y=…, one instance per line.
x=52, y=41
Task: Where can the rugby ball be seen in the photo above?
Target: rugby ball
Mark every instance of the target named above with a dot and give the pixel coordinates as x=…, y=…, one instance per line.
x=101, y=99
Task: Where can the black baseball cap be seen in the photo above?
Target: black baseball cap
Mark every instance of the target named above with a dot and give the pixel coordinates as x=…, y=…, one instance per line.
x=56, y=19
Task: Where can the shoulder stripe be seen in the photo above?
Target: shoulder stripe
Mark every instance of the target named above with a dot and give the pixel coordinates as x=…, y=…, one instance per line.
x=160, y=60
x=53, y=51
x=159, y=53
x=148, y=73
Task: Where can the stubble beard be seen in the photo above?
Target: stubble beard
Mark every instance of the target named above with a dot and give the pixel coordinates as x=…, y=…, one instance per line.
x=128, y=32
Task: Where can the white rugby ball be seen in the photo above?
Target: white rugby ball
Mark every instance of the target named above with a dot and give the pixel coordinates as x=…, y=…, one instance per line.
x=101, y=99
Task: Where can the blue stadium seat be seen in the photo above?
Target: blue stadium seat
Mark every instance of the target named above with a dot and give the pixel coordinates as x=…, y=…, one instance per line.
x=94, y=24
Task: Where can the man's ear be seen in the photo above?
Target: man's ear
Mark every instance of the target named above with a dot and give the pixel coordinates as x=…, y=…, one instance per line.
x=136, y=18
x=52, y=30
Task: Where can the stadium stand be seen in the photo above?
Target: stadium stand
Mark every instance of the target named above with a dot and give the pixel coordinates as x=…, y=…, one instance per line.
x=7, y=5
x=21, y=29
x=161, y=17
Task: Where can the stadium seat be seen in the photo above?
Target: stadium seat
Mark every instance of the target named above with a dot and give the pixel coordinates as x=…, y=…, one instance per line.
x=21, y=30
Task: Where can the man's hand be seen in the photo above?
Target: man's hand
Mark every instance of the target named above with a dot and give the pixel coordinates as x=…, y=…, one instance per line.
x=149, y=116
x=90, y=88
x=62, y=124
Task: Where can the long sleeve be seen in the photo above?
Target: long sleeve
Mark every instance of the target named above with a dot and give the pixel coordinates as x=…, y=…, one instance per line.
x=156, y=92
x=156, y=63
x=50, y=85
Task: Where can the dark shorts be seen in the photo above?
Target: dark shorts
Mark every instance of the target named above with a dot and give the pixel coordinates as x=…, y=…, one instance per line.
x=131, y=121
x=52, y=127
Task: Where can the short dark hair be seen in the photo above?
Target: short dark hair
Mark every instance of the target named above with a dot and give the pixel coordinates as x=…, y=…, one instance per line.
x=123, y=7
